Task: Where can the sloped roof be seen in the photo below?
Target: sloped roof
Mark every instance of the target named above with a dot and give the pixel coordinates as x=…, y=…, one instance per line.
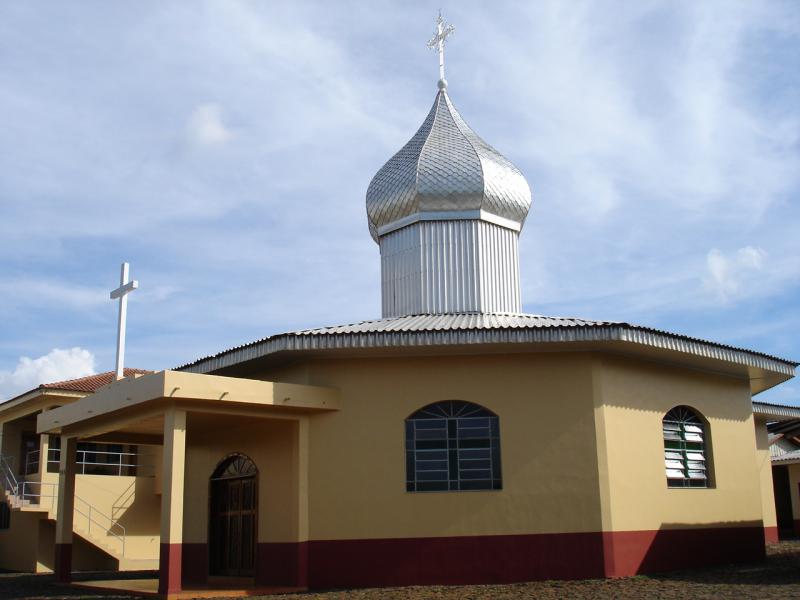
x=481, y=328
x=87, y=385
x=90, y=383
x=779, y=412
x=793, y=455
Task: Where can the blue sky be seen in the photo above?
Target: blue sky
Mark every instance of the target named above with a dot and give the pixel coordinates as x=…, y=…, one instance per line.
x=224, y=149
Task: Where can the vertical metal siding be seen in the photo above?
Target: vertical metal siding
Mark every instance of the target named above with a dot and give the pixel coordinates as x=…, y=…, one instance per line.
x=440, y=267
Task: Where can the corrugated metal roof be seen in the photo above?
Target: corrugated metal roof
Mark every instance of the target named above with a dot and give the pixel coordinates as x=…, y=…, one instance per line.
x=452, y=322
x=787, y=457
x=776, y=410
x=780, y=446
x=481, y=328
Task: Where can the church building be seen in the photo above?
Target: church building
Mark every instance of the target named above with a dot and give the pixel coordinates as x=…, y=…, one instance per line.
x=454, y=440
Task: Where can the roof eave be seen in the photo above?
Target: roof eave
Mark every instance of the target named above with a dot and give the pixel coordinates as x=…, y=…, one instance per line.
x=763, y=371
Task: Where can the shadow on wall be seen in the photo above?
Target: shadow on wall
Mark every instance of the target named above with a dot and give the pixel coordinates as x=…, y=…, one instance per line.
x=641, y=386
x=138, y=508
x=682, y=546
x=85, y=555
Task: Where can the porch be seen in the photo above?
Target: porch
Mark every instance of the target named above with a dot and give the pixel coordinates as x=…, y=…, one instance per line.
x=199, y=422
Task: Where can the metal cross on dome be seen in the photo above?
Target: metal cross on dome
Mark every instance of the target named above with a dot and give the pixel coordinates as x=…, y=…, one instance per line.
x=443, y=30
x=125, y=288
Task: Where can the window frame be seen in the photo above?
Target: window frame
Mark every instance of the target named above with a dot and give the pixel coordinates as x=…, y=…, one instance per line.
x=686, y=448
x=459, y=441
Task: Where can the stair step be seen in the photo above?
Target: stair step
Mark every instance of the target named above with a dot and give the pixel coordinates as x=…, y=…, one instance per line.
x=138, y=564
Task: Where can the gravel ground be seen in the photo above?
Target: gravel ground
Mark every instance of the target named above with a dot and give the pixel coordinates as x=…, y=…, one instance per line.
x=777, y=577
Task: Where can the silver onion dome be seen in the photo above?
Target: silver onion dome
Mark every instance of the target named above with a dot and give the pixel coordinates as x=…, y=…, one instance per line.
x=446, y=172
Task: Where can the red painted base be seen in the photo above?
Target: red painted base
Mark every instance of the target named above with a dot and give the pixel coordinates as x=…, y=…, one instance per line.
x=454, y=560
x=63, y=563
x=284, y=564
x=632, y=552
x=169, y=567
x=194, y=564
x=508, y=559
x=478, y=559
x=771, y=535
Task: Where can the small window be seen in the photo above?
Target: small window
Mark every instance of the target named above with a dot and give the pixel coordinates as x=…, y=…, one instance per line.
x=452, y=445
x=685, y=448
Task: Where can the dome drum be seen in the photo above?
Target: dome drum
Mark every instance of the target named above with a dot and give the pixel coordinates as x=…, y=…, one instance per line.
x=444, y=267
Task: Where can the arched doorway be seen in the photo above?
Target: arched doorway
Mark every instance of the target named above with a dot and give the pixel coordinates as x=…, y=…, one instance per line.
x=233, y=514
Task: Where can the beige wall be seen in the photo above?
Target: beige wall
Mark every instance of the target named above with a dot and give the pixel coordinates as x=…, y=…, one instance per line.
x=272, y=445
x=19, y=543
x=357, y=455
x=631, y=402
x=28, y=545
x=582, y=446
x=764, y=467
x=85, y=556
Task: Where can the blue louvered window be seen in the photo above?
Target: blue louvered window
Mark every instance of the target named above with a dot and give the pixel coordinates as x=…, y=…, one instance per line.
x=452, y=445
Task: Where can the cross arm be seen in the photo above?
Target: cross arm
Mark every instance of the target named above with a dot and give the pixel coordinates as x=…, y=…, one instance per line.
x=124, y=289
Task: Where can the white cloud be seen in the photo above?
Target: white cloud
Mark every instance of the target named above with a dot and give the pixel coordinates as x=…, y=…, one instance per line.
x=56, y=365
x=205, y=127
x=649, y=134
x=727, y=275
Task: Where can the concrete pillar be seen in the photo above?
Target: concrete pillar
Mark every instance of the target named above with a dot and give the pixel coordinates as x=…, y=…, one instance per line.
x=66, y=507
x=44, y=445
x=169, y=580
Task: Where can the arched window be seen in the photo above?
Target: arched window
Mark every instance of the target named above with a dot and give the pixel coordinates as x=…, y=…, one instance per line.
x=685, y=448
x=235, y=466
x=452, y=445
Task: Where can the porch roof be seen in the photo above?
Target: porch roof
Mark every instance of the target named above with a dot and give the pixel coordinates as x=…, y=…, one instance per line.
x=134, y=399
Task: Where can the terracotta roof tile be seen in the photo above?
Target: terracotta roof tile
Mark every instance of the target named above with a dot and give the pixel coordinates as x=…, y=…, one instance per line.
x=90, y=383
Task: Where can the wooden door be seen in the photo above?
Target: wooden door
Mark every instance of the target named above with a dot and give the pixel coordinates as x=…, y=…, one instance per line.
x=232, y=534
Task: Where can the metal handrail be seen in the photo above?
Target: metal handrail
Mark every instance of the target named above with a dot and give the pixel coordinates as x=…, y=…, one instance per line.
x=22, y=491
x=7, y=470
x=81, y=459
x=88, y=511
x=92, y=511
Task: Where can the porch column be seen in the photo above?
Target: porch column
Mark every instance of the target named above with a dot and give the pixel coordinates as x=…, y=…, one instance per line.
x=66, y=507
x=44, y=448
x=169, y=580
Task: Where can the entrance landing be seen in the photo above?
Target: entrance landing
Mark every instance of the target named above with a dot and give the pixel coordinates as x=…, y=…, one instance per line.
x=149, y=587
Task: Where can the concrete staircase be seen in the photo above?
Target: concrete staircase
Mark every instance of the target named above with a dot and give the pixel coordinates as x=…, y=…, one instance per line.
x=89, y=523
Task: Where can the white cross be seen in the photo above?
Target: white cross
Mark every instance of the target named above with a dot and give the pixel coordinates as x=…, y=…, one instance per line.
x=443, y=30
x=125, y=288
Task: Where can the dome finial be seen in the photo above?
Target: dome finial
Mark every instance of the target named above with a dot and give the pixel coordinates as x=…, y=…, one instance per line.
x=443, y=30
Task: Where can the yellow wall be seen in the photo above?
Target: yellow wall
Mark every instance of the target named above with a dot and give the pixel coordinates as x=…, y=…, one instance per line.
x=632, y=400
x=271, y=444
x=85, y=556
x=764, y=467
x=28, y=545
x=19, y=543
x=582, y=446
x=357, y=455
